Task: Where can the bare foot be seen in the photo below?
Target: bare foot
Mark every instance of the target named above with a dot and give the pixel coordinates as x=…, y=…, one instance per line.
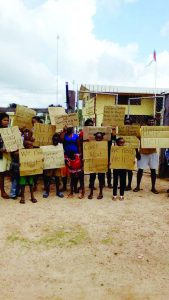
x=5, y=195
x=70, y=195
x=81, y=196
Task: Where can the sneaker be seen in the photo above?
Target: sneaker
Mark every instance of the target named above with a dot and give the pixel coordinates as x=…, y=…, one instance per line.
x=60, y=195
x=45, y=195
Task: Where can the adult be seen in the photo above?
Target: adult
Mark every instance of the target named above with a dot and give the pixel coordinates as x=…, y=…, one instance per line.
x=4, y=156
x=129, y=173
x=147, y=157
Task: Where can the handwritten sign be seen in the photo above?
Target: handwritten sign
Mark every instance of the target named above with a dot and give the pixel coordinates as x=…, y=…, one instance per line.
x=129, y=130
x=23, y=117
x=55, y=111
x=88, y=110
x=90, y=131
x=155, y=137
x=12, y=138
x=70, y=120
x=31, y=161
x=122, y=157
x=53, y=156
x=95, y=157
x=43, y=134
x=131, y=141
x=113, y=115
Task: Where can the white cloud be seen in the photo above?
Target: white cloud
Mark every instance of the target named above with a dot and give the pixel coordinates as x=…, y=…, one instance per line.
x=165, y=29
x=28, y=51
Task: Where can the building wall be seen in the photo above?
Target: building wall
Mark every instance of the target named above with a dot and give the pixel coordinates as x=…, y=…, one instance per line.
x=146, y=107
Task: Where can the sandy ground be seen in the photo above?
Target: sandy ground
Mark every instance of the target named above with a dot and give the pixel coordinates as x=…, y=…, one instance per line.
x=86, y=249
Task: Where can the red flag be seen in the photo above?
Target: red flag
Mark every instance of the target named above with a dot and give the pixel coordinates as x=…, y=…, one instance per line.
x=154, y=56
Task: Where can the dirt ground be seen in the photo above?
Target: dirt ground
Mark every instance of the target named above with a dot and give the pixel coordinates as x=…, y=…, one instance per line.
x=71, y=249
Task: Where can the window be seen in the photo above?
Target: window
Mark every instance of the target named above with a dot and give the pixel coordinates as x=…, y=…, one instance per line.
x=124, y=100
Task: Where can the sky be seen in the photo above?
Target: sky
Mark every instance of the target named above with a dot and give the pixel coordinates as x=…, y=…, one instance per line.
x=44, y=43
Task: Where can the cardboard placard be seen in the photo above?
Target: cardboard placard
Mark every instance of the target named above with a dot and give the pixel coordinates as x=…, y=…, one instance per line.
x=155, y=137
x=23, y=117
x=113, y=115
x=43, y=134
x=95, y=157
x=55, y=111
x=122, y=157
x=129, y=130
x=88, y=110
x=131, y=141
x=69, y=120
x=12, y=138
x=31, y=161
x=89, y=132
x=155, y=143
x=53, y=157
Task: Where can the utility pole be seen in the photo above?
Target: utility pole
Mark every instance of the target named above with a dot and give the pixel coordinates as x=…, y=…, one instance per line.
x=57, y=71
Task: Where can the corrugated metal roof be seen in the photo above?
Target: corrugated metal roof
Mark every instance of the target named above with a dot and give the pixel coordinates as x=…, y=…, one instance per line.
x=122, y=89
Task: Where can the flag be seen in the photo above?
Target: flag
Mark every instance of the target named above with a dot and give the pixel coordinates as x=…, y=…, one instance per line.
x=154, y=56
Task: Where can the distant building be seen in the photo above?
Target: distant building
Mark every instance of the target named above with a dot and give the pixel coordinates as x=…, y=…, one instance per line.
x=139, y=102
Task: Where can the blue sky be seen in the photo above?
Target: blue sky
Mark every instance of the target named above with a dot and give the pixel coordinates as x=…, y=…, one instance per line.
x=107, y=42
x=140, y=22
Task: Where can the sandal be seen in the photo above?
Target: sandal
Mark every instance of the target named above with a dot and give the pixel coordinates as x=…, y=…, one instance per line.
x=90, y=196
x=121, y=198
x=154, y=191
x=99, y=197
x=33, y=200
x=114, y=198
x=136, y=189
x=22, y=201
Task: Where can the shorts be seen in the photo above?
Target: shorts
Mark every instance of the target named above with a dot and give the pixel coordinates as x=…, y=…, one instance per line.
x=53, y=173
x=65, y=172
x=148, y=160
x=26, y=180
x=5, y=162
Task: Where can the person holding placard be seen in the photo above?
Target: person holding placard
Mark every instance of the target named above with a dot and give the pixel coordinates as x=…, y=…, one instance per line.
x=128, y=121
x=36, y=119
x=27, y=180
x=147, y=157
x=4, y=156
x=101, y=176
x=119, y=173
x=56, y=173
x=74, y=163
x=70, y=143
x=88, y=122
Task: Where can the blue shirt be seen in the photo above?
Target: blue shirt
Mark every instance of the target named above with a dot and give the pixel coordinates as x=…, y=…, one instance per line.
x=71, y=144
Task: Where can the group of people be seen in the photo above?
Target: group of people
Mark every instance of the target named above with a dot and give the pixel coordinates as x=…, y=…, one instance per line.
x=73, y=151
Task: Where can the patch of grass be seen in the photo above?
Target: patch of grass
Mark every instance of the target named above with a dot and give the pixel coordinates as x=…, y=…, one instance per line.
x=61, y=238
x=107, y=241
x=64, y=238
x=16, y=237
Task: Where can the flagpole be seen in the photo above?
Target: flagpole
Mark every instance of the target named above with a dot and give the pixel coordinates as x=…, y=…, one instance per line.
x=155, y=81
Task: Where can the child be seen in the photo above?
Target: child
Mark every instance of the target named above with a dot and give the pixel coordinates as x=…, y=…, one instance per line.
x=119, y=173
x=4, y=156
x=101, y=176
x=56, y=173
x=27, y=180
x=14, y=168
x=74, y=163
